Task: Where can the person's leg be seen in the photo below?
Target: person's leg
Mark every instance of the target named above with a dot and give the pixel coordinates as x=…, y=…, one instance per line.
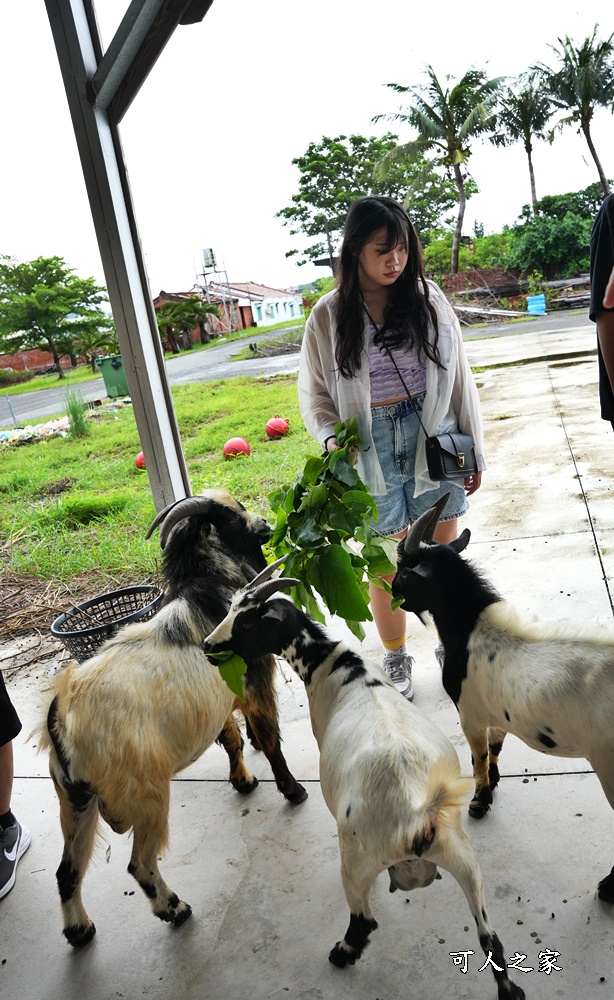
x=6, y=778
x=14, y=838
x=392, y=625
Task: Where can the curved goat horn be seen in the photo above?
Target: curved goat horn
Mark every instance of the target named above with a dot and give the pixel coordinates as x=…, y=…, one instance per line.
x=262, y=586
x=160, y=517
x=423, y=528
x=265, y=590
x=177, y=511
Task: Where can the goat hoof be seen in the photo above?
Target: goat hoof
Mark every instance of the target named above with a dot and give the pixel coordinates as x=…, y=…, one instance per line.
x=477, y=810
x=341, y=956
x=298, y=795
x=515, y=992
x=78, y=935
x=183, y=915
x=246, y=786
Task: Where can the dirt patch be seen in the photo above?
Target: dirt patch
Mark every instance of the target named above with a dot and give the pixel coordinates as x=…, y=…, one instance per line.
x=28, y=606
x=275, y=348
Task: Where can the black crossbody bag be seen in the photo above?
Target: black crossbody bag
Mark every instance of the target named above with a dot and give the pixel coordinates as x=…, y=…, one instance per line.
x=448, y=456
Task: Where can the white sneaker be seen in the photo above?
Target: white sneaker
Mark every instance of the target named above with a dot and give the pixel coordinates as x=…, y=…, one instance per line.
x=398, y=666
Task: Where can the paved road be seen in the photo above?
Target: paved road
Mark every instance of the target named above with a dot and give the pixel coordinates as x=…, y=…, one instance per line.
x=214, y=363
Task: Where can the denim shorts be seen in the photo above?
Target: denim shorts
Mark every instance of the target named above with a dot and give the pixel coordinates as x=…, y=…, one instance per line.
x=395, y=430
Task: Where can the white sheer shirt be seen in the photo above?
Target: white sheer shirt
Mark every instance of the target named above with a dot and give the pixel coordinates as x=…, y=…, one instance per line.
x=325, y=397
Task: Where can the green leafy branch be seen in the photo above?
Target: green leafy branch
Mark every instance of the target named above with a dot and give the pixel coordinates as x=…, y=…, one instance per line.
x=323, y=527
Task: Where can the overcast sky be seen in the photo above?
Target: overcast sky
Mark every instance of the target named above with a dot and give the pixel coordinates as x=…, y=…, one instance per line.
x=210, y=137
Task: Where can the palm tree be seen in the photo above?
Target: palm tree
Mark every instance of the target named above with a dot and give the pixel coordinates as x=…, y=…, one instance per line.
x=447, y=120
x=176, y=319
x=523, y=117
x=91, y=343
x=583, y=81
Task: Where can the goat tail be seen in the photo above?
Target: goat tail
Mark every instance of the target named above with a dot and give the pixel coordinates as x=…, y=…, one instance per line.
x=447, y=791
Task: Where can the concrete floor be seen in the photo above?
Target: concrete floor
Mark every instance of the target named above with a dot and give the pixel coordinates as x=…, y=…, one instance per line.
x=262, y=877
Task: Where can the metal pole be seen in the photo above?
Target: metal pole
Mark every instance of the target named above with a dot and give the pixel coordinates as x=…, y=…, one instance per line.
x=79, y=50
x=8, y=399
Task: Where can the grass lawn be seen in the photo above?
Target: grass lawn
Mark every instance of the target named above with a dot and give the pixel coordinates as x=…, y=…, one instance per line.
x=75, y=507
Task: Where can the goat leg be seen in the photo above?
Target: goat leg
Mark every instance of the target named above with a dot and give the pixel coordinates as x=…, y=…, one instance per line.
x=603, y=768
x=495, y=743
x=79, y=819
x=478, y=744
x=230, y=738
x=357, y=874
x=260, y=711
x=452, y=850
x=148, y=841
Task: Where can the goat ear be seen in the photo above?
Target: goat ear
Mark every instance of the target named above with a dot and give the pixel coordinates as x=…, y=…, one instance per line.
x=273, y=612
x=461, y=542
x=248, y=572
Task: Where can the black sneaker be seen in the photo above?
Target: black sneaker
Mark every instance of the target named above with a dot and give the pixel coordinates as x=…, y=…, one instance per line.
x=14, y=842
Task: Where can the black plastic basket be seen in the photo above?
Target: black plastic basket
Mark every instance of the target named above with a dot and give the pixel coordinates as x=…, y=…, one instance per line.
x=84, y=628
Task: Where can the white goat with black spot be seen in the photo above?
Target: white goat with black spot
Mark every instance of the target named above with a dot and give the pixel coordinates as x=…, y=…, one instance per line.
x=552, y=688
x=390, y=778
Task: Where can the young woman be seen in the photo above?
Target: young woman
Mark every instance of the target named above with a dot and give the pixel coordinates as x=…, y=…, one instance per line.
x=383, y=305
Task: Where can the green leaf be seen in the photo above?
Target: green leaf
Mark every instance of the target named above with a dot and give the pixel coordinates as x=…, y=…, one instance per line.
x=232, y=668
x=342, y=469
x=279, y=532
x=357, y=629
x=313, y=469
x=377, y=560
x=306, y=599
x=360, y=499
x=339, y=585
x=308, y=532
x=315, y=498
x=343, y=520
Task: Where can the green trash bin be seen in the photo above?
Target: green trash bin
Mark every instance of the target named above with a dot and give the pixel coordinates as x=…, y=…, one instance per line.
x=114, y=375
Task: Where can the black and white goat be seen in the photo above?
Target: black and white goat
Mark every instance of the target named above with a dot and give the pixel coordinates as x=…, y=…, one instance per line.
x=122, y=723
x=390, y=778
x=552, y=688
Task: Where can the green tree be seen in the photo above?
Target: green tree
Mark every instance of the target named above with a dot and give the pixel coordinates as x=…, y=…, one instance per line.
x=177, y=319
x=447, y=120
x=584, y=203
x=334, y=172
x=582, y=81
x=523, y=117
x=44, y=305
x=318, y=288
x=558, y=247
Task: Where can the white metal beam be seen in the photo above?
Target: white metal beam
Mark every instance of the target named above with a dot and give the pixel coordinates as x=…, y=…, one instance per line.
x=79, y=50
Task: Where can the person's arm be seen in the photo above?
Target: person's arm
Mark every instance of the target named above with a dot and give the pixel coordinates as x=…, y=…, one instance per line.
x=317, y=408
x=605, y=333
x=608, y=298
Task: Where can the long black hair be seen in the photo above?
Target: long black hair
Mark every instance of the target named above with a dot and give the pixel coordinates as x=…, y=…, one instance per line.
x=409, y=311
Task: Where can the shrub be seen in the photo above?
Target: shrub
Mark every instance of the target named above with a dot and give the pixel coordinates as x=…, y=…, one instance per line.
x=9, y=377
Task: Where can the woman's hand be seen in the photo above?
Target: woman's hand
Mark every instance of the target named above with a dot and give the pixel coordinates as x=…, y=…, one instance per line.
x=331, y=445
x=472, y=483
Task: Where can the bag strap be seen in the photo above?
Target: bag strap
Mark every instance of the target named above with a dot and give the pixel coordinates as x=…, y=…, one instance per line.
x=379, y=334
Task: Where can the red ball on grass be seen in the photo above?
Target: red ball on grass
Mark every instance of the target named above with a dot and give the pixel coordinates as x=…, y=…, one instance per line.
x=235, y=447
